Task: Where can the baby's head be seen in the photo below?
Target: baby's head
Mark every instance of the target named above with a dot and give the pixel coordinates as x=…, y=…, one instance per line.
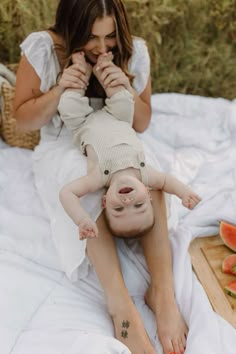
x=128, y=208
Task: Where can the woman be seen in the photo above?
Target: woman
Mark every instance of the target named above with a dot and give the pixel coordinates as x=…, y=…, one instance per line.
x=95, y=27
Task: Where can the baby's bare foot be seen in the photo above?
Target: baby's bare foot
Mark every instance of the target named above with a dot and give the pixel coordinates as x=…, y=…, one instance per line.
x=84, y=69
x=171, y=327
x=98, y=71
x=129, y=328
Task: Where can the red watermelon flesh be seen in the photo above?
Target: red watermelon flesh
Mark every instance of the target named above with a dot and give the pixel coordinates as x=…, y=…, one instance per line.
x=228, y=235
x=230, y=289
x=229, y=264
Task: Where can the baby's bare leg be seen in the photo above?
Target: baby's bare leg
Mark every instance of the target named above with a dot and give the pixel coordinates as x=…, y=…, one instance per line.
x=171, y=327
x=128, y=325
x=107, y=57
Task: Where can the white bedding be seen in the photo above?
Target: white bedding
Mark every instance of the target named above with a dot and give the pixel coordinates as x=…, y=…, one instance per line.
x=41, y=312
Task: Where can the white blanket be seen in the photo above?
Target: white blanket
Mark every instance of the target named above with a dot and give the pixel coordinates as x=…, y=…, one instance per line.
x=41, y=312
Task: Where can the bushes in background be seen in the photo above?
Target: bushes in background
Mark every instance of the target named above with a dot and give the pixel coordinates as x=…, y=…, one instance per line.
x=17, y=19
x=192, y=43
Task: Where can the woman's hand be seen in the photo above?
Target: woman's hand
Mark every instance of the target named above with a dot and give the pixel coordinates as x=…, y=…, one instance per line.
x=77, y=75
x=112, y=75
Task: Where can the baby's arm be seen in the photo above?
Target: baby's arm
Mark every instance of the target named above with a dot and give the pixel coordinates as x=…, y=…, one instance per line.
x=70, y=198
x=170, y=184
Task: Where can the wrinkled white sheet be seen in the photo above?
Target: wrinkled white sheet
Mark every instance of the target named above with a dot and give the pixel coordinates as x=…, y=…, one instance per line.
x=41, y=312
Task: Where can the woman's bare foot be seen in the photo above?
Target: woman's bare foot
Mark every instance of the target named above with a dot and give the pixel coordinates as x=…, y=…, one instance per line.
x=129, y=328
x=171, y=327
x=99, y=73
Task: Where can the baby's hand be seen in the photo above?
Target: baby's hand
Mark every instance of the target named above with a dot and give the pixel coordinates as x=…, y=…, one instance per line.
x=87, y=229
x=190, y=199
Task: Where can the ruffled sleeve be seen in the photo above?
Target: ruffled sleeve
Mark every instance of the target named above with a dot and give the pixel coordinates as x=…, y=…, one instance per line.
x=39, y=51
x=139, y=65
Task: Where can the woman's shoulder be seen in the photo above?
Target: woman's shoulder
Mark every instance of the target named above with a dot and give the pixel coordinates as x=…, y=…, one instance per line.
x=140, y=51
x=36, y=38
x=138, y=43
x=139, y=64
x=39, y=50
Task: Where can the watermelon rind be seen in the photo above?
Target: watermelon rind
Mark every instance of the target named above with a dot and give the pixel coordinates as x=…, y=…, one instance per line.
x=230, y=289
x=228, y=235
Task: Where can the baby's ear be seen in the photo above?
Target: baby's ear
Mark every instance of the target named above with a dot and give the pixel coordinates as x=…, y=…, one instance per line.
x=104, y=202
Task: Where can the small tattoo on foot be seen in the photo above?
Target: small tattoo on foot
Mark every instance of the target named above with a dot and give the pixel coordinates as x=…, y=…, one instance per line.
x=125, y=324
x=124, y=334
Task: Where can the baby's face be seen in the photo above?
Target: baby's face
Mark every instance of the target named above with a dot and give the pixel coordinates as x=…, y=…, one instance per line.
x=128, y=205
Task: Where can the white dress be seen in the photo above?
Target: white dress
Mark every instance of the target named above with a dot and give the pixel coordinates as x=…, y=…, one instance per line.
x=57, y=161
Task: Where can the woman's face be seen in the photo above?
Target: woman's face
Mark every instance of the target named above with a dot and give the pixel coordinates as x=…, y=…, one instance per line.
x=102, y=38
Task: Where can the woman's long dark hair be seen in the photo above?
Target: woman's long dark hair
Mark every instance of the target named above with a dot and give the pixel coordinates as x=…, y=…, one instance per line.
x=74, y=21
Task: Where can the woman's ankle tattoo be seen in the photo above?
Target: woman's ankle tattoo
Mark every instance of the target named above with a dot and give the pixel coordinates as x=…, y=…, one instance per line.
x=124, y=332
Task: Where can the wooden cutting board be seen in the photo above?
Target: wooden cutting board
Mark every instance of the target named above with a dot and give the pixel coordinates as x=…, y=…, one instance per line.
x=207, y=254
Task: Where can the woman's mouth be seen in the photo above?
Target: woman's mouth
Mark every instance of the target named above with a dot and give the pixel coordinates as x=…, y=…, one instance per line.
x=92, y=58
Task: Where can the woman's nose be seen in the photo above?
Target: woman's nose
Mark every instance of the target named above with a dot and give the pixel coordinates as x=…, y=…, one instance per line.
x=102, y=47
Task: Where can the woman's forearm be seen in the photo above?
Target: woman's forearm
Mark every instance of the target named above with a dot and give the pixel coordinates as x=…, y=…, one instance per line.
x=36, y=112
x=142, y=114
x=142, y=108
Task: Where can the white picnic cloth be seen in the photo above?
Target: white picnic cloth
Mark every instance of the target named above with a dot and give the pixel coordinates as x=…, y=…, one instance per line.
x=41, y=311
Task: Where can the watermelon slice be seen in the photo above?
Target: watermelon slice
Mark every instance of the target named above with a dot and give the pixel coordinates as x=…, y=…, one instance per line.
x=230, y=289
x=228, y=235
x=229, y=264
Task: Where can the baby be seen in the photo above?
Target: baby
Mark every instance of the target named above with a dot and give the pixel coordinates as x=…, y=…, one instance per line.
x=115, y=160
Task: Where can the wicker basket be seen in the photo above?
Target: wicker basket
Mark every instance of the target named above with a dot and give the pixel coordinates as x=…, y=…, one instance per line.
x=8, y=130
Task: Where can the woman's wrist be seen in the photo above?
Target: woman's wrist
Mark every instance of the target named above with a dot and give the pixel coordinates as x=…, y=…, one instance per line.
x=58, y=89
x=132, y=90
